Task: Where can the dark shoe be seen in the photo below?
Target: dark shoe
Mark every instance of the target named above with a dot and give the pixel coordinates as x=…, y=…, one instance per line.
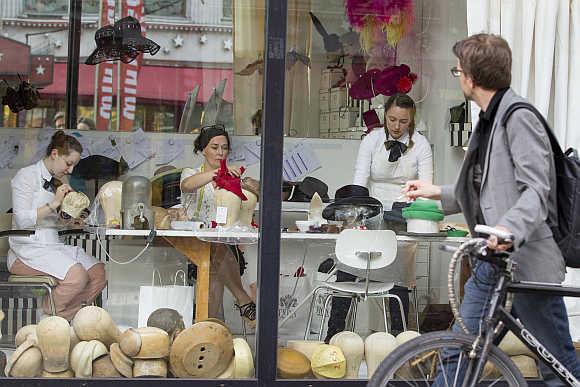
x=248, y=313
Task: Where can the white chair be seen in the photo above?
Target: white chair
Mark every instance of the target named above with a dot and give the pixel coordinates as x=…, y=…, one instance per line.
x=360, y=249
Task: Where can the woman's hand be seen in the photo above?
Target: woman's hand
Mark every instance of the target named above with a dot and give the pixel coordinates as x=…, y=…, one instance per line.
x=59, y=195
x=235, y=171
x=421, y=189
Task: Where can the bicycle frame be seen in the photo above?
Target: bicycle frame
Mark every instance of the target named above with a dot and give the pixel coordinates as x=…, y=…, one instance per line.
x=498, y=322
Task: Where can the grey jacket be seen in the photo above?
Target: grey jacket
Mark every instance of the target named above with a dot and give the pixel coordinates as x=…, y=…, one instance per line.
x=516, y=191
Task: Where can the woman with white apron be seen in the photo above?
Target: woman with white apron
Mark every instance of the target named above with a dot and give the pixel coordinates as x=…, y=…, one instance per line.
x=35, y=203
x=197, y=197
x=386, y=160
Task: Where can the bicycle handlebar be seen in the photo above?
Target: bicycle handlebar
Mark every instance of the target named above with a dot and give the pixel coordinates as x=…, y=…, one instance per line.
x=502, y=235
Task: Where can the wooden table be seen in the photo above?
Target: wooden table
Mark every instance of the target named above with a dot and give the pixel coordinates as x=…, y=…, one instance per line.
x=195, y=245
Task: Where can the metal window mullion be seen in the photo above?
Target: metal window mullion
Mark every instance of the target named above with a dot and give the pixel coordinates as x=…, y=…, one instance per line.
x=270, y=190
x=72, y=66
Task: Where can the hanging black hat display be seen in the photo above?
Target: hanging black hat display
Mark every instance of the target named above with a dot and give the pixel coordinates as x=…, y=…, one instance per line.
x=122, y=41
x=24, y=96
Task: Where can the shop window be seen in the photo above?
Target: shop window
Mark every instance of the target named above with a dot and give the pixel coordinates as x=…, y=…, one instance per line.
x=165, y=7
x=43, y=8
x=227, y=9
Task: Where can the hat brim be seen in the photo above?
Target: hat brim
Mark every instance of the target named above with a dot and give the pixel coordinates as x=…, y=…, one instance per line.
x=370, y=207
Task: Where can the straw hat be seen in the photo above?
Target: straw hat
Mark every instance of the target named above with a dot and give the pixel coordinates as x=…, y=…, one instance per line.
x=329, y=362
x=58, y=375
x=292, y=364
x=353, y=348
x=405, y=336
x=25, y=362
x=94, y=323
x=203, y=350
x=377, y=347
x=121, y=362
x=74, y=203
x=307, y=347
x=27, y=331
x=150, y=368
x=103, y=368
x=145, y=343
x=53, y=335
x=83, y=355
x=252, y=185
x=243, y=359
x=167, y=319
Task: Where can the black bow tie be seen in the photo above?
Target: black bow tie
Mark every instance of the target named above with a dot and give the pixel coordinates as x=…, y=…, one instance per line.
x=397, y=148
x=50, y=185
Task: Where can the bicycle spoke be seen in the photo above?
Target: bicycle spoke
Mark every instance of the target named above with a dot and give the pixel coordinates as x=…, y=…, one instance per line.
x=457, y=369
x=443, y=370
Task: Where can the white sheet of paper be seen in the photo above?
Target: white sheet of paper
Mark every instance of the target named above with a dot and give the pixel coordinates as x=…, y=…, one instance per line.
x=253, y=152
x=237, y=153
x=135, y=148
x=169, y=150
x=85, y=142
x=10, y=147
x=104, y=147
x=43, y=139
x=221, y=216
x=299, y=162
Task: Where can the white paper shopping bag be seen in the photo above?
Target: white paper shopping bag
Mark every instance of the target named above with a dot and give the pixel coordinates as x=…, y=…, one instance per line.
x=178, y=297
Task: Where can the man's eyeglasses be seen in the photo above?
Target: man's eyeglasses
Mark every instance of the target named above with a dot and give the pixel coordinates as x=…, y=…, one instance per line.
x=456, y=72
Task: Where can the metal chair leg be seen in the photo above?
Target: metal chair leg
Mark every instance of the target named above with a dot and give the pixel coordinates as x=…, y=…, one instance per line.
x=327, y=300
x=403, y=318
x=354, y=313
x=311, y=312
x=51, y=301
x=386, y=320
x=416, y=306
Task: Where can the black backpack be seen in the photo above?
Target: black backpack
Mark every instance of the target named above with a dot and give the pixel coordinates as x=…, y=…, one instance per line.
x=567, y=231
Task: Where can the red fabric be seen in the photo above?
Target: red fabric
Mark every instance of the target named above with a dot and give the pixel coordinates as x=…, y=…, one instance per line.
x=225, y=180
x=157, y=83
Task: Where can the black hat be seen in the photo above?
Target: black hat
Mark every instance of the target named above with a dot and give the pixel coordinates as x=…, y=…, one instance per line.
x=122, y=41
x=353, y=196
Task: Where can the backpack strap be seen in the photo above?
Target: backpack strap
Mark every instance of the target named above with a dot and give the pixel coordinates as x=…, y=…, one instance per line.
x=556, y=150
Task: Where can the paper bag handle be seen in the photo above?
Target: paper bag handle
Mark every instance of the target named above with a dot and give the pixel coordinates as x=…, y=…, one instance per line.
x=158, y=276
x=183, y=275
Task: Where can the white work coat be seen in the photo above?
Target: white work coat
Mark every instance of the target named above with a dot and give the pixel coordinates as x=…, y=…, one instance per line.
x=385, y=179
x=44, y=250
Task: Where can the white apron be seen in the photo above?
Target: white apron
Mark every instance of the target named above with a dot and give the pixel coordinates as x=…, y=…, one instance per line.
x=45, y=251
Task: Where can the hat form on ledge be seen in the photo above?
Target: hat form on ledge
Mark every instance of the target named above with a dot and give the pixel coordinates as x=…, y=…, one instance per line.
x=121, y=41
x=350, y=198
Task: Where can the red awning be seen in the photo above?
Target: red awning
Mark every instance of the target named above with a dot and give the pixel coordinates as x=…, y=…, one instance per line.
x=169, y=84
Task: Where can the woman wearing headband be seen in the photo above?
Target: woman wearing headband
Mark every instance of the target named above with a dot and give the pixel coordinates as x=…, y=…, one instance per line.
x=36, y=200
x=197, y=197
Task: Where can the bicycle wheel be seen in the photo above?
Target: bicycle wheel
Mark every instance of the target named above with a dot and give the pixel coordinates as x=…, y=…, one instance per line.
x=417, y=362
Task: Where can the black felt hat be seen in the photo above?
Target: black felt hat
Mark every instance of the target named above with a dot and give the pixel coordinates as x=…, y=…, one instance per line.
x=352, y=196
x=121, y=41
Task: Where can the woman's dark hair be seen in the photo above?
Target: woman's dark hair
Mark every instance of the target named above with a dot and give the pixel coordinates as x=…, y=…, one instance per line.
x=64, y=144
x=206, y=134
x=405, y=102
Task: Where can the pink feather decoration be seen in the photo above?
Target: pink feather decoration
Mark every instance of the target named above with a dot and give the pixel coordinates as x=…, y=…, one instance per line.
x=359, y=12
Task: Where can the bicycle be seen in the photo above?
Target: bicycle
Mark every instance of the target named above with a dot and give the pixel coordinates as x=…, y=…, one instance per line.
x=418, y=362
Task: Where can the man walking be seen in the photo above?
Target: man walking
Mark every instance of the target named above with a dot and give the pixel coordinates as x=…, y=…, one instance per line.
x=505, y=182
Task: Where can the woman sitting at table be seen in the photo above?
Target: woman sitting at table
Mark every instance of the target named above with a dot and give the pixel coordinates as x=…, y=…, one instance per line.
x=197, y=196
x=387, y=158
x=36, y=200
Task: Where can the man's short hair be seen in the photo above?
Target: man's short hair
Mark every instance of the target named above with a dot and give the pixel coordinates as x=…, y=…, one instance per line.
x=487, y=59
